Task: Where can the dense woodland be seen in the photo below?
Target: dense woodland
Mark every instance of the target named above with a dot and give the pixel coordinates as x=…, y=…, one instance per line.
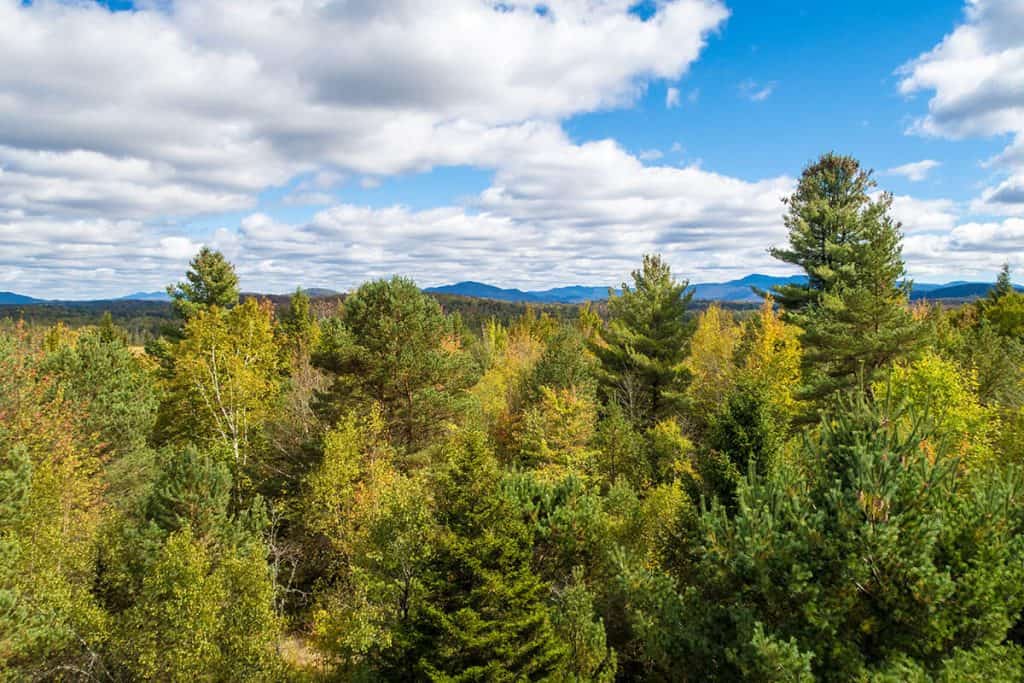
x=827, y=488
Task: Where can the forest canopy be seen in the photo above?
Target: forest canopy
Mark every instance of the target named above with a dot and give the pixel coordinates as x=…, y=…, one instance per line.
x=828, y=487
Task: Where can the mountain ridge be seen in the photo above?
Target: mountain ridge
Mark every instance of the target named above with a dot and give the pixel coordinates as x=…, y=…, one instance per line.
x=738, y=290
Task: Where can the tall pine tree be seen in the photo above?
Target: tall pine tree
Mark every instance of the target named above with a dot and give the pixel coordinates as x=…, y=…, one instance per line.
x=824, y=213
x=647, y=337
x=853, y=309
x=210, y=281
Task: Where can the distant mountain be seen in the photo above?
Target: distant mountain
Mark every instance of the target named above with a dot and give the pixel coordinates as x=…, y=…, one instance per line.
x=737, y=291
x=484, y=291
x=956, y=290
x=572, y=295
x=12, y=298
x=320, y=292
x=742, y=289
x=734, y=290
x=145, y=296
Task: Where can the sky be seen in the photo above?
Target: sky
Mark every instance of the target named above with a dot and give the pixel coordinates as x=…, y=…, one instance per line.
x=322, y=143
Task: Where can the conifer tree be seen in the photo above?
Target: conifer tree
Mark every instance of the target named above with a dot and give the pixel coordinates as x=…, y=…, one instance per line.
x=881, y=551
x=485, y=617
x=394, y=345
x=210, y=281
x=824, y=213
x=1003, y=307
x=853, y=309
x=645, y=341
x=298, y=323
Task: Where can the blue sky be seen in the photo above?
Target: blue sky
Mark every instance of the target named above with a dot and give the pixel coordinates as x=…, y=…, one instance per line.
x=324, y=145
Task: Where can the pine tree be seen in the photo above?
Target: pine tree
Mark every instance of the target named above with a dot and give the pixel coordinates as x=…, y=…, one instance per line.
x=485, y=617
x=879, y=551
x=210, y=281
x=854, y=308
x=1004, y=285
x=646, y=339
x=298, y=324
x=1003, y=307
x=395, y=346
x=823, y=214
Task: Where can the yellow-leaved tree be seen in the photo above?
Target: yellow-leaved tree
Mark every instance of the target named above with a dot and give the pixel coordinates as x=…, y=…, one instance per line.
x=224, y=379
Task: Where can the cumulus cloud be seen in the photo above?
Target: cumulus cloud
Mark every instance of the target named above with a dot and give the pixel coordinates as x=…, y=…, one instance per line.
x=558, y=212
x=118, y=129
x=915, y=171
x=129, y=122
x=976, y=80
x=977, y=248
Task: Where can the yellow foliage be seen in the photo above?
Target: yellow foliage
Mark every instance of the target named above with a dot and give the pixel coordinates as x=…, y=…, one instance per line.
x=559, y=429
x=357, y=457
x=515, y=352
x=225, y=376
x=770, y=354
x=949, y=395
x=710, y=362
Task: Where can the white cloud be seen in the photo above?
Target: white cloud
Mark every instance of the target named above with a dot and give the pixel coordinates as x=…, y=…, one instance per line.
x=672, y=98
x=915, y=171
x=976, y=80
x=116, y=126
x=240, y=96
x=556, y=212
x=650, y=155
x=1006, y=198
x=924, y=215
x=977, y=249
x=756, y=92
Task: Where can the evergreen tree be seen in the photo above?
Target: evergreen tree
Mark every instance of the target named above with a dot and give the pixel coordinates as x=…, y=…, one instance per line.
x=485, y=616
x=882, y=551
x=112, y=387
x=825, y=213
x=210, y=281
x=1003, y=307
x=854, y=308
x=395, y=346
x=299, y=325
x=644, y=343
x=1004, y=284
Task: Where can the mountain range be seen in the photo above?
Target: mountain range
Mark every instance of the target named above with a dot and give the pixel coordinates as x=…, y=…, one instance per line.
x=733, y=290
x=741, y=290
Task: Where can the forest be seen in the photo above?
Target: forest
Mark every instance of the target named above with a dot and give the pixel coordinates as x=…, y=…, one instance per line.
x=825, y=488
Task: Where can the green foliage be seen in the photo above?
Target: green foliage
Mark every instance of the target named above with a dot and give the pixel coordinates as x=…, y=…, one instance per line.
x=485, y=616
x=224, y=380
x=1003, y=308
x=623, y=452
x=50, y=625
x=644, y=343
x=824, y=215
x=200, y=616
x=395, y=346
x=210, y=281
x=111, y=384
x=853, y=310
x=299, y=326
x=390, y=495
x=885, y=550
x=589, y=658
